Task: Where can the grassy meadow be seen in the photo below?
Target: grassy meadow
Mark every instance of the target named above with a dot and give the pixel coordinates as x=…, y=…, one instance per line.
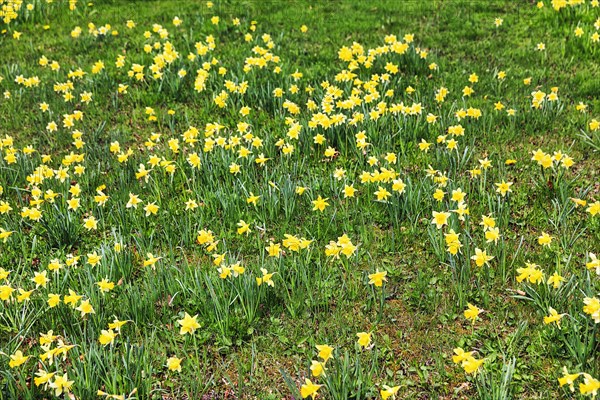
x=299, y=199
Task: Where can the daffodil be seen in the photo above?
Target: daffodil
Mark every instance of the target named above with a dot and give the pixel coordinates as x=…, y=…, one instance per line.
x=90, y=223
x=61, y=384
x=568, y=379
x=589, y=386
x=317, y=368
x=6, y=292
x=107, y=337
x=134, y=200
x=85, y=308
x=17, y=359
x=4, y=234
x=151, y=209
x=40, y=279
x=555, y=280
x=265, y=278
x=252, y=199
x=594, y=208
x=382, y=194
x=377, y=278
x=471, y=365
x=492, y=235
x=105, y=285
x=364, y=339
x=53, y=299
x=389, y=392
x=531, y=272
x=594, y=263
x=93, y=258
x=553, y=316
x=325, y=351
x=243, y=227
x=349, y=191
x=309, y=389
x=504, y=188
x=72, y=298
x=43, y=378
x=320, y=204
x=481, y=257
x=116, y=325
x=151, y=260
x=188, y=324
x=24, y=295
x=460, y=355
x=174, y=364
x=440, y=219
x=545, y=239
x=592, y=308
x=472, y=312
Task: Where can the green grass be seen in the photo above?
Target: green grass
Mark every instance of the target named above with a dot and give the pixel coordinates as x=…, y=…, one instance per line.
x=257, y=341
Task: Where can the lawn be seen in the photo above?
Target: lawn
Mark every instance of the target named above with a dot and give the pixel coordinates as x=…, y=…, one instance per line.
x=299, y=199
